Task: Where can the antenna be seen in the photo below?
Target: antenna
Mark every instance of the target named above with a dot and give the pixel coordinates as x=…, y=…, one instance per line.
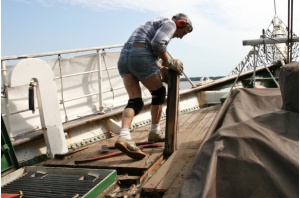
x=275, y=7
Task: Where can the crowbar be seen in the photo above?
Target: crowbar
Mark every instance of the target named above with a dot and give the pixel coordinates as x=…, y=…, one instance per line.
x=62, y=156
x=114, y=154
x=137, y=144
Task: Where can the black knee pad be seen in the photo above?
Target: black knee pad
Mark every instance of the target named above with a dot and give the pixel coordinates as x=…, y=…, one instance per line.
x=136, y=104
x=160, y=96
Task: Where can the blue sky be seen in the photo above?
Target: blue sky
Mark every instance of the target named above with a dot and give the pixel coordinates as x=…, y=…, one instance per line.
x=213, y=48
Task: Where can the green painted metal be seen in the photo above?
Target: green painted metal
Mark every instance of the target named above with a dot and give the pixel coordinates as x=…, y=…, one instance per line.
x=109, y=180
x=34, y=160
x=8, y=156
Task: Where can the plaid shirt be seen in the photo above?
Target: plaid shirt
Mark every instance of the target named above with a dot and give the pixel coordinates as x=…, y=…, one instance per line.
x=156, y=33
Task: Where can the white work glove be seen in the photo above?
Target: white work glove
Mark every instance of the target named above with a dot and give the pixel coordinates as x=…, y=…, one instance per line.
x=174, y=64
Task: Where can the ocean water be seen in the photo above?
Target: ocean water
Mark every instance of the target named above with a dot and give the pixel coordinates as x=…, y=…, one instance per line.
x=186, y=84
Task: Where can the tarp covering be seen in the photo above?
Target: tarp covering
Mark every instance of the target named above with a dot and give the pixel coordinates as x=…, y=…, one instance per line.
x=289, y=86
x=251, y=150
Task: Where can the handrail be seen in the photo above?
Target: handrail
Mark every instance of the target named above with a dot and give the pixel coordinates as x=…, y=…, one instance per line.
x=15, y=57
x=85, y=51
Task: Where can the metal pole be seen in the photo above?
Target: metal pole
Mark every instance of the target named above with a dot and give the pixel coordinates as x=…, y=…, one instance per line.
x=189, y=79
x=100, y=83
x=60, y=52
x=271, y=75
x=288, y=41
x=254, y=65
x=291, y=27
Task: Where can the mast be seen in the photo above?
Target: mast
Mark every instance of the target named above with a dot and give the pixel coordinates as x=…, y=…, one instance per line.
x=290, y=31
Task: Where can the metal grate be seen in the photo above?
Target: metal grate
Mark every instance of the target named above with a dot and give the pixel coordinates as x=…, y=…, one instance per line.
x=44, y=185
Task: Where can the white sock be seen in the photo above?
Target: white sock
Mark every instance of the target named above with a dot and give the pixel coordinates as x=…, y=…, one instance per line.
x=155, y=128
x=125, y=133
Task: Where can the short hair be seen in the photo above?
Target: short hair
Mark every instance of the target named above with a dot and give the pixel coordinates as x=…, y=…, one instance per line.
x=179, y=16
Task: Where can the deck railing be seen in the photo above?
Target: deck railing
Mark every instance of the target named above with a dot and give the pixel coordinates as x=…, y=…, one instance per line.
x=87, y=82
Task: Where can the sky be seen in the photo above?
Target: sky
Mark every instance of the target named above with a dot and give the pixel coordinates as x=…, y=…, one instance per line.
x=214, y=48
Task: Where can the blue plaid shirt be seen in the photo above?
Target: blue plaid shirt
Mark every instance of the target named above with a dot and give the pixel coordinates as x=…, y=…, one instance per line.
x=157, y=33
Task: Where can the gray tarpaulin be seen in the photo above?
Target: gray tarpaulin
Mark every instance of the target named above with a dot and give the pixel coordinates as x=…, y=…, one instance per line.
x=251, y=149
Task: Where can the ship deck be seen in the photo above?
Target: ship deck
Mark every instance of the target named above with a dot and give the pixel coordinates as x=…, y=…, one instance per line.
x=156, y=174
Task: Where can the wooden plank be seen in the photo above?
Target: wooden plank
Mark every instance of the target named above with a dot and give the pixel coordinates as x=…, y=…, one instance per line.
x=121, y=161
x=169, y=171
x=150, y=185
x=207, y=125
x=169, y=177
x=172, y=113
x=198, y=118
x=199, y=127
x=174, y=188
x=199, y=115
x=176, y=170
x=153, y=167
x=183, y=119
x=152, y=154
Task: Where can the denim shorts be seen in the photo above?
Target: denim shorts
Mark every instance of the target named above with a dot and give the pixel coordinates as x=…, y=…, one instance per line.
x=138, y=61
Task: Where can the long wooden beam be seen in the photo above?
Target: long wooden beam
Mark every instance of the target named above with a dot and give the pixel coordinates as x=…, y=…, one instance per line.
x=172, y=113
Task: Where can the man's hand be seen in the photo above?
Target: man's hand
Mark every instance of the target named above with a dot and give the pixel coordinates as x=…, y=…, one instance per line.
x=174, y=64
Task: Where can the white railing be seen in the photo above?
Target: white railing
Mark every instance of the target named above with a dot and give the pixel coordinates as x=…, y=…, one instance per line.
x=87, y=80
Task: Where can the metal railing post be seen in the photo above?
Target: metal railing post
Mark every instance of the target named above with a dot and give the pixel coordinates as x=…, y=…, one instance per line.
x=100, y=82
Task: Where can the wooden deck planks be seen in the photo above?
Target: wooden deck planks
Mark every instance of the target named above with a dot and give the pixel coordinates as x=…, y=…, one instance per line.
x=171, y=174
x=116, y=162
x=201, y=126
x=170, y=171
x=186, y=130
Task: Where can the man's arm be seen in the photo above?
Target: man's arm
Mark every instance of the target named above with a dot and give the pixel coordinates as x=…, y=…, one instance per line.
x=169, y=62
x=163, y=55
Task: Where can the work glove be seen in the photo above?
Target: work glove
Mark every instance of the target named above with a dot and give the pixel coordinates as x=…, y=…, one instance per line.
x=174, y=64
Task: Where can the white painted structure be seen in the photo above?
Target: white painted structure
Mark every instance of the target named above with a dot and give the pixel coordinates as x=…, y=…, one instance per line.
x=39, y=71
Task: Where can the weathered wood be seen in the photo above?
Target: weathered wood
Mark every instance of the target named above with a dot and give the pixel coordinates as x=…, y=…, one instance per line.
x=168, y=179
x=151, y=184
x=199, y=128
x=172, y=113
x=170, y=172
x=165, y=178
x=151, y=169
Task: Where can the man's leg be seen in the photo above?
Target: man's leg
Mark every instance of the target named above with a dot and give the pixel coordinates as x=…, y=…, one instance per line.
x=135, y=103
x=133, y=89
x=158, y=91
